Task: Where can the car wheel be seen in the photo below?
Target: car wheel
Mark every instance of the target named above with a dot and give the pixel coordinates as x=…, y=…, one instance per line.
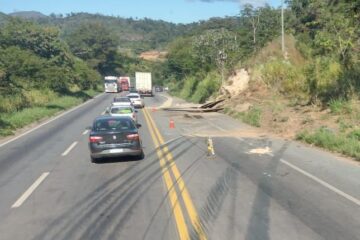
x=93, y=160
x=141, y=156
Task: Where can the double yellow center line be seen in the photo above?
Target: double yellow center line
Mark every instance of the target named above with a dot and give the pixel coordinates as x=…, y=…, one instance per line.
x=168, y=166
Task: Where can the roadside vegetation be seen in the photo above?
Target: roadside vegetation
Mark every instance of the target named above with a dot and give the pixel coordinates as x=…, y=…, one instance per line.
x=42, y=104
x=345, y=143
x=39, y=75
x=11, y=121
x=345, y=136
x=251, y=117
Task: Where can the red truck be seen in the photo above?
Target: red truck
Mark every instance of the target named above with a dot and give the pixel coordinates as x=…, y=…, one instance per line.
x=124, y=83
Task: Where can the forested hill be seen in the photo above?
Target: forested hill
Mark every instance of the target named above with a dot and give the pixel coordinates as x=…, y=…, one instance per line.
x=28, y=15
x=3, y=18
x=136, y=34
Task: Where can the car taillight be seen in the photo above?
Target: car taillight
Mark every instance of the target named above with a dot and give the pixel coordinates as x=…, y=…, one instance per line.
x=133, y=137
x=95, y=139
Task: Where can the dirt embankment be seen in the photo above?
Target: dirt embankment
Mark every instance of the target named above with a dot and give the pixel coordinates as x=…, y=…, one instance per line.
x=278, y=115
x=153, y=55
x=245, y=90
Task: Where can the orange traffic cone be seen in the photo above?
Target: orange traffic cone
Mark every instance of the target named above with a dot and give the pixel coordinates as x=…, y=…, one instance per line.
x=172, y=124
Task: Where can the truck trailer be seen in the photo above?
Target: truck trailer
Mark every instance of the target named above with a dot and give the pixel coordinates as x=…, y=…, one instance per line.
x=124, y=83
x=143, y=83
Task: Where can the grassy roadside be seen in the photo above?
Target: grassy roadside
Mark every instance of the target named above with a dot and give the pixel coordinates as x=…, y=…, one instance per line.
x=345, y=143
x=9, y=122
x=341, y=134
x=344, y=138
x=251, y=117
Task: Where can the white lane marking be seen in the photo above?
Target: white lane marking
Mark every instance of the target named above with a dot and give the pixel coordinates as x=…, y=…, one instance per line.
x=243, y=140
x=325, y=184
x=49, y=121
x=30, y=190
x=85, y=132
x=69, y=148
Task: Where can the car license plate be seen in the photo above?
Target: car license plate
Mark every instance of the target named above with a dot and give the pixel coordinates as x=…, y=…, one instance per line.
x=116, y=150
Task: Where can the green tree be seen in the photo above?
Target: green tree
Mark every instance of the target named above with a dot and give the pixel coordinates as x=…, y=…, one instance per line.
x=181, y=58
x=34, y=57
x=96, y=44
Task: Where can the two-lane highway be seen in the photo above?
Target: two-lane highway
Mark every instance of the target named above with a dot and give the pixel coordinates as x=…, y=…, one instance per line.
x=254, y=188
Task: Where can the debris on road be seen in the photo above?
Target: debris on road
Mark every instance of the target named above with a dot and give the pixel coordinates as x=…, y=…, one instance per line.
x=208, y=107
x=261, y=151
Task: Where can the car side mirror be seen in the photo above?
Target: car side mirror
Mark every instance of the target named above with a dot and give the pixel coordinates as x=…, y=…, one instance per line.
x=136, y=111
x=138, y=125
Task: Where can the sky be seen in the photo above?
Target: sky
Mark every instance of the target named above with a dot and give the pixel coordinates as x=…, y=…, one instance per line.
x=176, y=11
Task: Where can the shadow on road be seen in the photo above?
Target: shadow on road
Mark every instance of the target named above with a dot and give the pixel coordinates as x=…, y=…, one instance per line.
x=258, y=227
x=118, y=159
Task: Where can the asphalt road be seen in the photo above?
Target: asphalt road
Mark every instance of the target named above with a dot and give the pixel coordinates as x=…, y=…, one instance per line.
x=254, y=187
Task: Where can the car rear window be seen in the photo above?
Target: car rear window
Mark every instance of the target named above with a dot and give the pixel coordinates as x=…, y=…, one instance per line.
x=110, y=81
x=133, y=96
x=122, y=100
x=121, y=110
x=114, y=124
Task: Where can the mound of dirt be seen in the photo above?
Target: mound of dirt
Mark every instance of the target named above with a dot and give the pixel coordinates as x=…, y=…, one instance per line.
x=153, y=55
x=238, y=82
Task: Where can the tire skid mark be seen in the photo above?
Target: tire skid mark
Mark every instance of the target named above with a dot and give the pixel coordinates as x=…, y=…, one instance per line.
x=120, y=221
x=215, y=199
x=104, y=196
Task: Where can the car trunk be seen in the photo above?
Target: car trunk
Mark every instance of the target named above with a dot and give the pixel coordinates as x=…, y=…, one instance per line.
x=115, y=140
x=114, y=137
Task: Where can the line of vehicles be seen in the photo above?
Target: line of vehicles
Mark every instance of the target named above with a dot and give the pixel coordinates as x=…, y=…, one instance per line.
x=142, y=83
x=116, y=134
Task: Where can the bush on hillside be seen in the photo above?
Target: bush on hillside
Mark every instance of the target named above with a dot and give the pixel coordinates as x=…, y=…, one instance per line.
x=284, y=77
x=322, y=75
x=209, y=85
x=189, y=87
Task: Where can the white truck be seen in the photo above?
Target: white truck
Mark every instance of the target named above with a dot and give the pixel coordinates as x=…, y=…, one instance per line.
x=111, y=84
x=143, y=83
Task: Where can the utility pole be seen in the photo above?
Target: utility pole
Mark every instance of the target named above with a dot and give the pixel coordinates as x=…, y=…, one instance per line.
x=282, y=28
x=222, y=58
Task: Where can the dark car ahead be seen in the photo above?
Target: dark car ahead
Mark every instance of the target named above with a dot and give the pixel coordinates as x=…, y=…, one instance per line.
x=159, y=89
x=113, y=136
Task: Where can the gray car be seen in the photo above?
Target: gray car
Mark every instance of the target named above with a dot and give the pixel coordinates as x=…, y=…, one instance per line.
x=122, y=101
x=136, y=100
x=114, y=136
x=127, y=111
